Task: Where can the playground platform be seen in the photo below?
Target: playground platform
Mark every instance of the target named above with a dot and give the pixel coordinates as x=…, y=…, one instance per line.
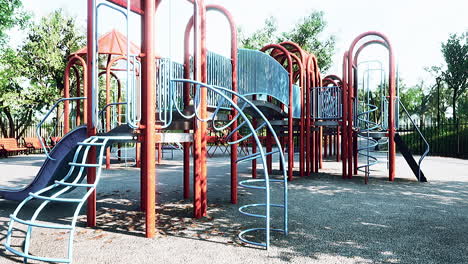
x=332, y=220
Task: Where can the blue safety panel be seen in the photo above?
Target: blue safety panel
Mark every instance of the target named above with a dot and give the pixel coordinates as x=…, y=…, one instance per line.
x=219, y=71
x=259, y=73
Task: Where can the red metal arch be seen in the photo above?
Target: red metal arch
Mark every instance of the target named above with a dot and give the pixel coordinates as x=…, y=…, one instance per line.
x=290, y=109
x=352, y=146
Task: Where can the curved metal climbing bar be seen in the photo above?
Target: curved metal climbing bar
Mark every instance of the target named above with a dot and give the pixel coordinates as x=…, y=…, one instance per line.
x=55, y=192
x=225, y=99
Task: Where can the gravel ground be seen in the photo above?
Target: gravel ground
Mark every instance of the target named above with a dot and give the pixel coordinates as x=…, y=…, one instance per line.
x=331, y=220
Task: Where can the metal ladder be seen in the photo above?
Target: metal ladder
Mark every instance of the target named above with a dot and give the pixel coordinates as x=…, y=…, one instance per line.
x=224, y=97
x=54, y=193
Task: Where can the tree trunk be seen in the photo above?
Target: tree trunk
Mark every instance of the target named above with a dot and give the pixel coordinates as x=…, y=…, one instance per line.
x=454, y=104
x=3, y=128
x=11, y=123
x=26, y=122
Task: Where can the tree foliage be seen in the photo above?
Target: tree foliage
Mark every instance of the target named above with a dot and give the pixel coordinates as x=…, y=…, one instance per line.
x=31, y=78
x=11, y=15
x=50, y=42
x=455, y=52
x=306, y=33
x=418, y=101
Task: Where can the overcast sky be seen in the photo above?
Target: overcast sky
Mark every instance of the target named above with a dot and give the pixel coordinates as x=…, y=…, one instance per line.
x=415, y=28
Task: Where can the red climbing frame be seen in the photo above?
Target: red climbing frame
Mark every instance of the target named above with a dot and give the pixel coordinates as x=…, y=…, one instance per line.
x=349, y=141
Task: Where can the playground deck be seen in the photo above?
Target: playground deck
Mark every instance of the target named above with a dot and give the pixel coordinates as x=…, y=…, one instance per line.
x=332, y=220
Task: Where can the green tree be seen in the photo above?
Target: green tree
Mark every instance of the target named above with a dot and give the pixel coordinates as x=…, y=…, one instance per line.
x=417, y=100
x=46, y=49
x=11, y=15
x=455, y=52
x=260, y=37
x=31, y=78
x=306, y=33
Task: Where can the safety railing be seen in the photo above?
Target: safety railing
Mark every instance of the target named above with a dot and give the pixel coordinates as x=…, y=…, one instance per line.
x=260, y=74
x=38, y=127
x=114, y=116
x=327, y=103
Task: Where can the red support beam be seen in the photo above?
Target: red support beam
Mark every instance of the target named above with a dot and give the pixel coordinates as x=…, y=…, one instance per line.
x=91, y=130
x=186, y=98
x=148, y=167
x=344, y=122
x=233, y=28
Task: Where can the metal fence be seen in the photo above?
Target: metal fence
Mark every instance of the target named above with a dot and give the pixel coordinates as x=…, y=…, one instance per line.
x=46, y=130
x=445, y=139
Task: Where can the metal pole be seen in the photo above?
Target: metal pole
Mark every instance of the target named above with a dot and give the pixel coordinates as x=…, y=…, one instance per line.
x=91, y=130
x=148, y=168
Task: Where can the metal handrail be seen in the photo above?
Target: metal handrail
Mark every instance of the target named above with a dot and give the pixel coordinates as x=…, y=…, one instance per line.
x=38, y=127
x=107, y=105
x=104, y=109
x=421, y=135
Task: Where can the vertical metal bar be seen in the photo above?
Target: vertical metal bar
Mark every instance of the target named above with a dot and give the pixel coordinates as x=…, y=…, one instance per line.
x=91, y=130
x=186, y=98
x=203, y=106
x=108, y=111
x=344, y=122
x=148, y=145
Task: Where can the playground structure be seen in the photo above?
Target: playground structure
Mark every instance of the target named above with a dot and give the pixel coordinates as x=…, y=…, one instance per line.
x=267, y=99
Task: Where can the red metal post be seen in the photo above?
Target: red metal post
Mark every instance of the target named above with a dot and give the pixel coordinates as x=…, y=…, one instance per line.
x=186, y=97
x=78, y=94
x=108, y=110
x=203, y=107
x=344, y=122
x=91, y=130
x=148, y=167
x=233, y=28
x=66, y=94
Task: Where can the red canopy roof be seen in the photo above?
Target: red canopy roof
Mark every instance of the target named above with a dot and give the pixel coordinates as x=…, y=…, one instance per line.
x=113, y=43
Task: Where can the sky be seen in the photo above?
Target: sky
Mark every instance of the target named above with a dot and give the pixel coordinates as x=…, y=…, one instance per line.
x=415, y=28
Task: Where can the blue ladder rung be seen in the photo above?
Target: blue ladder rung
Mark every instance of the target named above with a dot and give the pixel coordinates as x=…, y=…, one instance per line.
x=56, y=199
x=75, y=184
x=21, y=254
x=84, y=165
x=29, y=223
x=251, y=214
x=246, y=136
x=243, y=184
x=240, y=236
x=256, y=156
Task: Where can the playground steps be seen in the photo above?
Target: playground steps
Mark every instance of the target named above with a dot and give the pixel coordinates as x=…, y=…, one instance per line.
x=405, y=151
x=54, y=192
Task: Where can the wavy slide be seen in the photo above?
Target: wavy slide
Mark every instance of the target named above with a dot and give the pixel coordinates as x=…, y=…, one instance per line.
x=51, y=170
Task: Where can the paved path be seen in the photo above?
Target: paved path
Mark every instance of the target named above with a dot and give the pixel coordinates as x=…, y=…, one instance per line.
x=331, y=220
